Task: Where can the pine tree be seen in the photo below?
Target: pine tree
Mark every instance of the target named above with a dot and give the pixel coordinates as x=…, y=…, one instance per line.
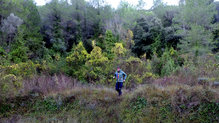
x=19, y=52
x=195, y=22
x=78, y=56
x=33, y=36
x=198, y=41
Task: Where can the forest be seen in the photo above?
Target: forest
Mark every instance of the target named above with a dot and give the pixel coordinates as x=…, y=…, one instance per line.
x=57, y=61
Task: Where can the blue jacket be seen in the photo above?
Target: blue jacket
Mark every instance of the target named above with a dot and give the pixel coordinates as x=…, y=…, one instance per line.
x=120, y=76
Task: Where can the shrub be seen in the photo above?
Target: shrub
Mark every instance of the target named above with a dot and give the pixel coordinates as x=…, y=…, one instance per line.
x=129, y=39
x=205, y=67
x=24, y=69
x=96, y=57
x=78, y=56
x=19, y=51
x=76, y=60
x=109, y=41
x=96, y=64
x=118, y=50
x=9, y=85
x=12, y=76
x=107, y=44
x=167, y=63
x=138, y=71
x=3, y=57
x=48, y=105
x=57, y=66
x=139, y=104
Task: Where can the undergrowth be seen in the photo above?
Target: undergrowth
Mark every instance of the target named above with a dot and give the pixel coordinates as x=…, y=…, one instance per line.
x=146, y=104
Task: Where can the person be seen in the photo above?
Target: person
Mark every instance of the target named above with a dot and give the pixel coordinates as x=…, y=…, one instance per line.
x=120, y=78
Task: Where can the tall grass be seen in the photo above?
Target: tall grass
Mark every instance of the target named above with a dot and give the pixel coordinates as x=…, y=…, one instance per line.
x=147, y=103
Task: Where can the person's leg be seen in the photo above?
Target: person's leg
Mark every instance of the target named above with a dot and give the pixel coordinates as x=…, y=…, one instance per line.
x=117, y=87
x=120, y=92
x=120, y=88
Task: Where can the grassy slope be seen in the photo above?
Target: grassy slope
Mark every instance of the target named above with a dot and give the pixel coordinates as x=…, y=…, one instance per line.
x=148, y=103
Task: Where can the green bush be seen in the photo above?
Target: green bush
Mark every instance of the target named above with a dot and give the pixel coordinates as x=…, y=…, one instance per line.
x=139, y=104
x=96, y=64
x=24, y=69
x=167, y=63
x=4, y=109
x=76, y=61
x=78, y=56
x=107, y=43
x=12, y=76
x=118, y=50
x=3, y=57
x=9, y=85
x=46, y=105
x=207, y=112
x=138, y=71
x=19, y=52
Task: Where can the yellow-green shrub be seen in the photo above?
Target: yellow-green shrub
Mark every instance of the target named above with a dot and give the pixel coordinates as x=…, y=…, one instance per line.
x=118, y=50
x=138, y=71
x=129, y=39
x=23, y=69
x=9, y=84
x=96, y=57
x=12, y=76
x=96, y=64
x=76, y=60
x=78, y=56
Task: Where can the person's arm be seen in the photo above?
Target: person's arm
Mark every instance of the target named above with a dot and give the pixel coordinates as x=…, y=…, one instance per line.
x=125, y=76
x=114, y=75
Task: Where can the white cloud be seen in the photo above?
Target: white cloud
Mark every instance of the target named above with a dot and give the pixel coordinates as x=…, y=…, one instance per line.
x=41, y=2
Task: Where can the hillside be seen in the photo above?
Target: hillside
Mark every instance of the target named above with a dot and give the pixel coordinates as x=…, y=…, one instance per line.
x=88, y=103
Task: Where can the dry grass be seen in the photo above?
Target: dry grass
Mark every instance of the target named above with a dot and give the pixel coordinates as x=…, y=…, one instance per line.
x=46, y=84
x=164, y=100
x=86, y=103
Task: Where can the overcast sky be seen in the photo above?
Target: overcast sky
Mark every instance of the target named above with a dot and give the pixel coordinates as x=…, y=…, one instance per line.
x=115, y=3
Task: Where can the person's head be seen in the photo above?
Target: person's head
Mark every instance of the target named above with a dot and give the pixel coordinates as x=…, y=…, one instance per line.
x=118, y=69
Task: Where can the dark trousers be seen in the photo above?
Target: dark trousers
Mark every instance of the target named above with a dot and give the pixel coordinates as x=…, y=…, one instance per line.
x=119, y=87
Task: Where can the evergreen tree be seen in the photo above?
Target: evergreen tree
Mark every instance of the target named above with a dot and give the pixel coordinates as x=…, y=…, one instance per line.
x=195, y=22
x=30, y=20
x=57, y=39
x=19, y=52
x=9, y=28
x=77, y=59
x=96, y=57
x=98, y=24
x=200, y=12
x=145, y=33
x=78, y=56
x=109, y=41
x=198, y=41
x=96, y=64
x=32, y=31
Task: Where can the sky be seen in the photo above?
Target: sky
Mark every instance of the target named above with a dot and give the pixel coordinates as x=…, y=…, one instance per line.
x=115, y=3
